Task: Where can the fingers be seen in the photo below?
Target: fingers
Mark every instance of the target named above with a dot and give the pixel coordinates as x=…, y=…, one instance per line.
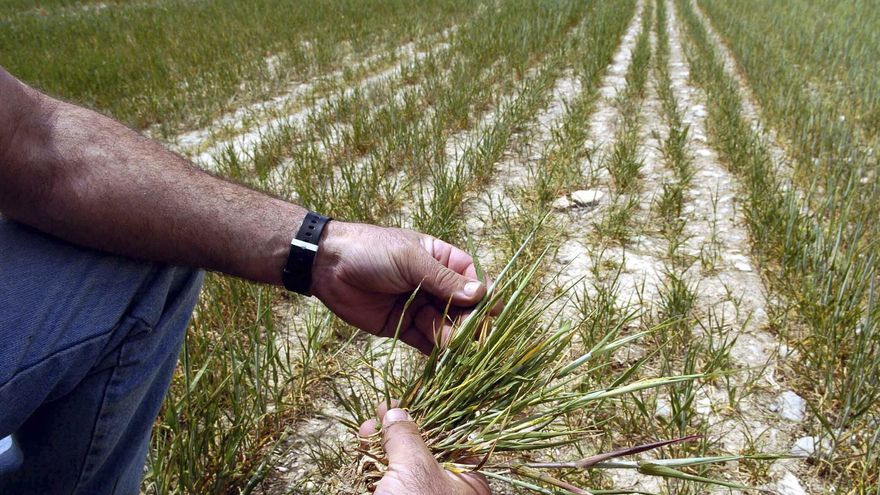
x=424, y=325
x=403, y=444
x=462, y=263
x=453, y=258
x=429, y=321
x=368, y=429
x=471, y=482
x=416, y=339
x=383, y=408
x=446, y=272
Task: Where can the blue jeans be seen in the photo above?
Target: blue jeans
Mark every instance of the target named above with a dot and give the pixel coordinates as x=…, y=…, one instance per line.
x=88, y=344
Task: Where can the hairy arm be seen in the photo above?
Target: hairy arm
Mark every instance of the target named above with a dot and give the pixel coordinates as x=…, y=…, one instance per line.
x=88, y=179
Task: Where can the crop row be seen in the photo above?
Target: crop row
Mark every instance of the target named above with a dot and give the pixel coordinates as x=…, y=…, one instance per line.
x=818, y=254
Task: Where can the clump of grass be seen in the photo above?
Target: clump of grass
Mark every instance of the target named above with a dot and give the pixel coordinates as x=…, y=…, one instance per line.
x=501, y=389
x=623, y=161
x=227, y=405
x=617, y=223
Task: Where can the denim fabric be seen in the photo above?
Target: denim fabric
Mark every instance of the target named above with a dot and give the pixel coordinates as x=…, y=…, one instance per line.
x=88, y=344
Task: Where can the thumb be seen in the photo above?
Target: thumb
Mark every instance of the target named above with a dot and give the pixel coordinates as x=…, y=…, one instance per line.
x=403, y=444
x=444, y=283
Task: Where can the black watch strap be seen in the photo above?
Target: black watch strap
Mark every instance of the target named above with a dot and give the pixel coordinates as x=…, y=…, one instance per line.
x=297, y=272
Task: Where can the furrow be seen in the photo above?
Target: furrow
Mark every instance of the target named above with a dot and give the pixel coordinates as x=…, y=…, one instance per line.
x=573, y=261
x=731, y=296
x=297, y=96
x=775, y=142
x=253, y=134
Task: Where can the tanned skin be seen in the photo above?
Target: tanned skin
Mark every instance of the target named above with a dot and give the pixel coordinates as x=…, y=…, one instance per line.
x=85, y=178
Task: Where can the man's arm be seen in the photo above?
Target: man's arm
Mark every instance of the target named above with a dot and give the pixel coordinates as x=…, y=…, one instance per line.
x=86, y=178
x=83, y=177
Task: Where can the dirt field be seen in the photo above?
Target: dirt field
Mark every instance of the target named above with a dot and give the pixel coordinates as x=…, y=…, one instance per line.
x=672, y=185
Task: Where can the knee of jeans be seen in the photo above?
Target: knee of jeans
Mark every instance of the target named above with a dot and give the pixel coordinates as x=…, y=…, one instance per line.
x=155, y=327
x=167, y=297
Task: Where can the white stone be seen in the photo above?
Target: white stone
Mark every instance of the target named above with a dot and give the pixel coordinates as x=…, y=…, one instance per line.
x=791, y=406
x=743, y=266
x=787, y=352
x=804, y=446
x=704, y=405
x=789, y=485
x=663, y=410
x=587, y=197
x=561, y=203
x=810, y=447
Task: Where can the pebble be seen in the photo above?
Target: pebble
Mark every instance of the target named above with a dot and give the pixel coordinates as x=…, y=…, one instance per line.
x=663, y=410
x=810, y=447
x=587, y=197
x=743, y=266
x=561, y=203
x=790, y=485
x=787, y=352
x=790, y=406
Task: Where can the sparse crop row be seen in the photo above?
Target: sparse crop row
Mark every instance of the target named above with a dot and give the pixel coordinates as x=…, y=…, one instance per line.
x=818, y=257
x=623, y=161
x=680, y=350
x=349, y=152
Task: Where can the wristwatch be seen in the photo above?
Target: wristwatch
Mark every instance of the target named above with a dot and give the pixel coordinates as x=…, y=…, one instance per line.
x=297, y=272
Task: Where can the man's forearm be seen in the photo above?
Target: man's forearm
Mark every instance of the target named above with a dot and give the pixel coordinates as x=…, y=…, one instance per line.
x=88, y=179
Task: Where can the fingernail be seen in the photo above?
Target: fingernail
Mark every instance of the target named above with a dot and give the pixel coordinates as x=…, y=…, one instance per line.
x=471, y=288
x=394, y=415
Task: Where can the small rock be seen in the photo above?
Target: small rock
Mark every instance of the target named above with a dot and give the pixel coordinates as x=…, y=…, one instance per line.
x=804, y=446
x=791, y=406
x=787, y=352
x=587, y=197
x=663, y=410
x=704, y=405
x=810, y=447
x=561, y=203
x=790, y=485
x=743, y=266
